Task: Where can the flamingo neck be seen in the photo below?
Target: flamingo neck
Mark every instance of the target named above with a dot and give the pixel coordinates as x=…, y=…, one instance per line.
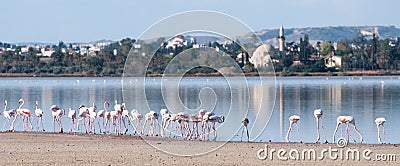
x=20, y=107
x=105, y=107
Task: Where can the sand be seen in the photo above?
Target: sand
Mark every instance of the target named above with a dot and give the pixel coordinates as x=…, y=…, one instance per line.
x=68, y=149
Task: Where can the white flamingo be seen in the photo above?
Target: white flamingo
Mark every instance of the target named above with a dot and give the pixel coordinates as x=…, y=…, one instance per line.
x=245, y=122
x=293, y=120
x=72, y=115
x=25, y=113
x=136, y=120
x=102, y=114
x=57, y=113
x=8, y=114
x=318, y=117
x=152, y=118
x=39, y=115
x=379, y=122
x=195, y=125
x=347, y=120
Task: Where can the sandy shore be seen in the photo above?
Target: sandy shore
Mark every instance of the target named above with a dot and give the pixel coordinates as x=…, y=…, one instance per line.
x=67, y=149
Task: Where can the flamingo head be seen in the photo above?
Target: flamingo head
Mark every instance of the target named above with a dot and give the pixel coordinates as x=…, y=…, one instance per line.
x=107, y=103
x=53, y=108
x=202, y=112
x=81, y=106
x=116, y=102
x=5, y=102
x=222, y=119
x=20, y=100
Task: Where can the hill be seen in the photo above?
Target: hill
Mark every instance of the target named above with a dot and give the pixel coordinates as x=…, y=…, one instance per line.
x=330, y=33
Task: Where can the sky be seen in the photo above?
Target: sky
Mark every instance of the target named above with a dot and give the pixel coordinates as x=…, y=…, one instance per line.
x=50, y=21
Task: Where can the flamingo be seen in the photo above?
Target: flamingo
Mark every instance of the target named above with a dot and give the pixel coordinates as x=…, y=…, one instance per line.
x=213, y=119
x=152, y=118
x=293, y=120
x=136, y=119
x=22, y=112
x=165, y=116
x=347, y=120
x=195, y=125
x=39, y=114
x=72, y=115
x=114, y=118
x=379, y=122
x=101, y=114
x=82, y=115
x=245, y=122
x=125, y=117
x=204, y=123
x=7, y=114
x=118, y=109
x=183, y=120
x=318, y=117
x=92, y=118
x=57, y=113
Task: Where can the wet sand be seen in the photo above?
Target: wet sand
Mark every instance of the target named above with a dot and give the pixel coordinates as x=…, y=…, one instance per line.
x=68, y=149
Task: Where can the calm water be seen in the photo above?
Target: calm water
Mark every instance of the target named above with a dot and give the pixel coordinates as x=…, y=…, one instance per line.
x=364, y=98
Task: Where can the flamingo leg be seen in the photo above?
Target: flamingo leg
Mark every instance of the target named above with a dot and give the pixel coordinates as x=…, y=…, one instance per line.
x=358, y=132
x=317, y=130
x=298, y=132
x=247, y=133
x=384, y=134
x=379, y=134
x=241, y=138
x=215, y=131
x=288, y=132
x=323, y=130
x=334, y=133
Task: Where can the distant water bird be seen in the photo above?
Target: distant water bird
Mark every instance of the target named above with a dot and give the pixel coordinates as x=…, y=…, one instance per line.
x=26, y=115
x=347, y=120
x=39, y=115
x=57, y=113
x=379, y=122
x=92, y=118
x=293, y=120
x=8, y=114
x=318, y=117
x=72, y=116
x=245, y=122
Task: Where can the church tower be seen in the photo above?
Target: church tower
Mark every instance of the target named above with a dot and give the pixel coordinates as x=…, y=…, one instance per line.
x=281, y=39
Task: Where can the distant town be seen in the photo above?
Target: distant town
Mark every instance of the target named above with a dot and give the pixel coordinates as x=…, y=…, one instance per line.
x=367, y=52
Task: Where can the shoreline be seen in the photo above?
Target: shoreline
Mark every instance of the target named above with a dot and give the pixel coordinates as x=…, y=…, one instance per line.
x=252, y=74
x=31, y=148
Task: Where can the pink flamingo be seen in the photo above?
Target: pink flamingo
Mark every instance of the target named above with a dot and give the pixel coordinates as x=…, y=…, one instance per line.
x=83, y=114
x=152, y=118
x=57, y=113
x=72, y=115
x=8, y=114
x=101, y=114
x=136, y=119
x=293, y=120
x=318, y=117
x=379, y=122
x=347, y=120
x=245, y=122
x=25, y=113
x=213, y=119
